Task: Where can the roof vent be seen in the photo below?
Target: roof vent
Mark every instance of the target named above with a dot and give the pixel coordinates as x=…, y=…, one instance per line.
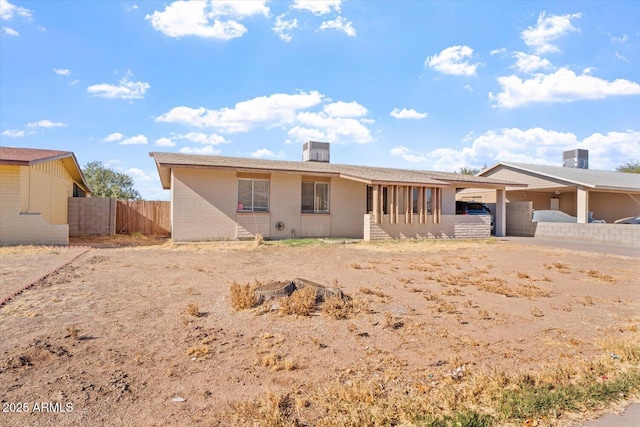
x=314, y=151
x=575, y=159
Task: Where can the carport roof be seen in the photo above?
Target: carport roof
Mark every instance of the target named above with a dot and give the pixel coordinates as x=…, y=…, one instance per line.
x=367, y=174
x=592, y=178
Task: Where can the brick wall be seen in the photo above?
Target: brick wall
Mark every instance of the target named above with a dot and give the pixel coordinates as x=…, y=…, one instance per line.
x=450, y=227
x=316, y=225
x=92, y=216
x=249, y=224
x=626, y=234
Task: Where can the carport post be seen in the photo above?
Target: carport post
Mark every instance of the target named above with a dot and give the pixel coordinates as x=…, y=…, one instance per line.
x=501, y=212
x=583, y=205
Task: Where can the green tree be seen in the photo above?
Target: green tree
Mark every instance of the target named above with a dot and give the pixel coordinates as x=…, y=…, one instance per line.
x=107, y=183
x=632, y=166
x=465, y=170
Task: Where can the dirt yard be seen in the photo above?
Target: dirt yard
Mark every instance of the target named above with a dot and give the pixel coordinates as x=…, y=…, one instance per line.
x=147, y=335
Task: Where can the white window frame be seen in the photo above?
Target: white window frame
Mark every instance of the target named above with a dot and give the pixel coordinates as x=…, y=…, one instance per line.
x=315, y=201
x=253, y=195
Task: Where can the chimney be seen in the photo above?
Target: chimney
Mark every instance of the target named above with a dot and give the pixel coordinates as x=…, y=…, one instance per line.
x=314, y=151
x=575, y=159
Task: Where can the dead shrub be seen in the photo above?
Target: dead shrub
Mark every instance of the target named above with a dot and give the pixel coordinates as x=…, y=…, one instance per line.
x=445, y=307
x=300, y=303
x=337, y=308
x=601, y=277
x=192, y=310
x=277, y=363
x=454, y=292
x=243, y=297
x=72, y=332
x=258, y=240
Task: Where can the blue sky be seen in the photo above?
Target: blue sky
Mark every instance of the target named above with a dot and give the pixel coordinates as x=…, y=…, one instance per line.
x=407, y=84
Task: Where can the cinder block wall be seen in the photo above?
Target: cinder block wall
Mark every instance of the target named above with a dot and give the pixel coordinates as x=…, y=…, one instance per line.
x=626, y=234
x=519, y=219
x=450, y=227
x=92, y=216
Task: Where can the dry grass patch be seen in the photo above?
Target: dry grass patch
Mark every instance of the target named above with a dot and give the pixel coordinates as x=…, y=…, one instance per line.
x=445, y=307
x=73, y=332
x=369, y=291
x=601, y=277
x=199, y=352
x=339, y=308
x=277, y=362
x=243, y=297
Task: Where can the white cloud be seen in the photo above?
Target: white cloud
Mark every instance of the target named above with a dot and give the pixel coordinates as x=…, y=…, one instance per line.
x=125, y=89
x=62, y=71
x=337, y=129
x=547, y=30
x=209, y=150
x=207, y=19
x=303, y=134
x=453, y=61
x=468, y=87
x=46, y=124
x=138, y=139
x=266, y=153
x=116, y=136
x=527, y=63
x=272, y=110
x=139, y=174
x=131, y=8
x=283, y=28
x=407, y=114
x=317, y=7
x=203, y=138
x=165, y=142
x=535, y=145
x=622, y=39
x=74, y=82
x=339, y=24
x=8, y=11
x=497, y=51
x=10, y=31
x=621, y=57
x=13, y=133
x=345, y=109
x=561, y=86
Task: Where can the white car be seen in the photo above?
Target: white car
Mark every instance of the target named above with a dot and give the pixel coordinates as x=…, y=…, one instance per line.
x=559, y=216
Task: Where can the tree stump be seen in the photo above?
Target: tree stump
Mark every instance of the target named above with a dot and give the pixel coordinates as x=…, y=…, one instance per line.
x=274, y=290
x=322, y=292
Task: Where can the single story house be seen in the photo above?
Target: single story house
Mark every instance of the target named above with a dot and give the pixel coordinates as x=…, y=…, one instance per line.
x=35, y=186
x=229, y=198
x=608, y=195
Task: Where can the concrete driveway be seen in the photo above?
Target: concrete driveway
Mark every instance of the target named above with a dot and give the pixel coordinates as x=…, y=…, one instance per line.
x=577, y=245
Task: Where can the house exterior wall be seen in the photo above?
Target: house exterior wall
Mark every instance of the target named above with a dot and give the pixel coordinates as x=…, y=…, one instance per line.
x=17, y=226
x=450, y=227
x=613, y=206
x=285, y=204
x=204, y=204
x=348, y=202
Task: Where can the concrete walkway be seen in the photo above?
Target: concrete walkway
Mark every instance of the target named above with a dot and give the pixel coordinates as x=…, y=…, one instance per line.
x=577, y=245
x=629, y=418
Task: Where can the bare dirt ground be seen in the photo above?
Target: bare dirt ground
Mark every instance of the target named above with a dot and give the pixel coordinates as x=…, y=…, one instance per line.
x=114, y=335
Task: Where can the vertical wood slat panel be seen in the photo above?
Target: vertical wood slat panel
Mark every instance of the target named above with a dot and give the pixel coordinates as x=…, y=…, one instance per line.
x=146, y=217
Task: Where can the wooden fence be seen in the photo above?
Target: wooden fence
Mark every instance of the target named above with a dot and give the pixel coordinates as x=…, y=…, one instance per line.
x=149, y=218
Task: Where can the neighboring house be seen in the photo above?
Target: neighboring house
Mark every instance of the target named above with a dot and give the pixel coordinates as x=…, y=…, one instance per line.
x=227, y=198
x=576, y=191
x=35, y=186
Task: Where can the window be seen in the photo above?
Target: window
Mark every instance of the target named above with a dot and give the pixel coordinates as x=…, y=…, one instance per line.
x=253, y=195
x=427, y=194
x=385, y=201
x=315, y=197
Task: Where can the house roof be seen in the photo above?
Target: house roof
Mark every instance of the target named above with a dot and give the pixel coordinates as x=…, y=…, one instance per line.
x=592, y=178
x=367, y=174
x=33, y=156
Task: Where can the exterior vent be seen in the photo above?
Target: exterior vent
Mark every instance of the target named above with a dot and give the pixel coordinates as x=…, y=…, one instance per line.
x=575, y=159
x=314, y=151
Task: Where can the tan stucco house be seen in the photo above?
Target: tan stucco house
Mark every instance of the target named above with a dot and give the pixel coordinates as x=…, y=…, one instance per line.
x=230, y=198
x=608, y=195
x=35, y=186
